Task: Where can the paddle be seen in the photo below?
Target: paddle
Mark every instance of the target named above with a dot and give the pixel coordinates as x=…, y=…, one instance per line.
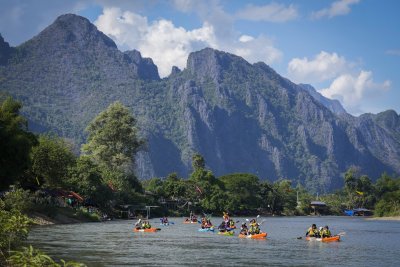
x=341, y=233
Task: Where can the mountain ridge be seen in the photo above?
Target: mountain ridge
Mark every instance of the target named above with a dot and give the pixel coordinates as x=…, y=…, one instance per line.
x=241, y=117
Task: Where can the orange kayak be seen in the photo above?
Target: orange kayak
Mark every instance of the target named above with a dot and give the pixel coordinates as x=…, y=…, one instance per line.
x=334, y=238
x=150, y=230
x=255, y=236
x=189, y=222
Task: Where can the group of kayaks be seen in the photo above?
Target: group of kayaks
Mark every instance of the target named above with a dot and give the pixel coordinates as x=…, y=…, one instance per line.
x=230, y=232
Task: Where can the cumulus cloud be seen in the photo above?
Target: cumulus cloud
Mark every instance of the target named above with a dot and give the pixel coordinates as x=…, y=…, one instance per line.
x=169, y=45
x=322, y=67
x=166, y=44
x=272, y=12
x=338, y=8
x=348, y=84
x=351, y=90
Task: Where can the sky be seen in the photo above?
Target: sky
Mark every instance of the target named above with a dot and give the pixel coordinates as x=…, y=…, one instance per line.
x=348, y=50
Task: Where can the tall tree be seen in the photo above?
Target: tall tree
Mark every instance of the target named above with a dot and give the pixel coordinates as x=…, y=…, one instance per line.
x=15, y=142
x=113, y=138
x=51, y=159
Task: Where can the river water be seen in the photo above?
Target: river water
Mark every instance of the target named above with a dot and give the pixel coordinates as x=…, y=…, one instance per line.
x=365, y=243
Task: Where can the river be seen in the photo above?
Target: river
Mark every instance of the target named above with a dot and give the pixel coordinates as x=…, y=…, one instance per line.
x=365, y=243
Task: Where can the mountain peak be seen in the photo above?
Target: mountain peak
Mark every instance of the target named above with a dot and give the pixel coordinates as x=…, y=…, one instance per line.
x=209, y=62
x=76, y=30
x=332, y=104
x=146, y=69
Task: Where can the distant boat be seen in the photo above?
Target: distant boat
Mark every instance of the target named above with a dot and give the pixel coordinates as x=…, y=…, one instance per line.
x=358, y=212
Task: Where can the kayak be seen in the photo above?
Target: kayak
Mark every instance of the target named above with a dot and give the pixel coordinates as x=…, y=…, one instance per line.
x=334, y=238
x=164, y=224
x=228, y=233
x=211, y=229
x=255, y=236
x=189, y=221
x=150, y=230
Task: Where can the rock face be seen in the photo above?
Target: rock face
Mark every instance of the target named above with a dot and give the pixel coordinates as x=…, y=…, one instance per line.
x=332, y=105
x=241, y=117
x=5, y=51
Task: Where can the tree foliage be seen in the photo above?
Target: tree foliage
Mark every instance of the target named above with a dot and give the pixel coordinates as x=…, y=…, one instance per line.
x=113, y=139
x=15, y=143
x=51, y=159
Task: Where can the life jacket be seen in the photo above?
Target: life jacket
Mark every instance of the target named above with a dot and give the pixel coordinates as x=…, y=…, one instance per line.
x=326, y=233
x=312, y=232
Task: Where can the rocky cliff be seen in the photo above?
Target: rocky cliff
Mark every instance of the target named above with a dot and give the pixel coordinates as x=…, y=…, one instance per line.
x=241, y=117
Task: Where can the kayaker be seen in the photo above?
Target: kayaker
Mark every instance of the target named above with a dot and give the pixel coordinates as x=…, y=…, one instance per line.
x=312, y=231
x=146, y=225
x=254, y=227
x=226, y=217
x=319, y=232
x=231, y=224
x=326, y=232
x=244, y=229
x=222, y=227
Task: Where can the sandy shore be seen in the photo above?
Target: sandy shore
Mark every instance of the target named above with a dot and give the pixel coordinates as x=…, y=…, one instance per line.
x=393, y=218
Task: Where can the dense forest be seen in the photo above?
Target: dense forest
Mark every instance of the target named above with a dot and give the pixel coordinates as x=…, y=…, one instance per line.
x=104, y=175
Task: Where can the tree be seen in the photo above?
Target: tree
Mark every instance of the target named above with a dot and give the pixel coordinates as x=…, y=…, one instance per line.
x=243, y=191
x=205, y=187
x=86, y=178
x=113, y=139
x=280, y=196
x=173, y=187
x=51, y=159
x=198, y=162
x=15, y=143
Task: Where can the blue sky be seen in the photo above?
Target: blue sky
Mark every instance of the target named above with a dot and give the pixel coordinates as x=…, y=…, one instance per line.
x=347, y=49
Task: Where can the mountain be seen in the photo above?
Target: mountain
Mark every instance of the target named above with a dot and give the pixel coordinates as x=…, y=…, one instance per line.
x=241, y=117
x=332, y=104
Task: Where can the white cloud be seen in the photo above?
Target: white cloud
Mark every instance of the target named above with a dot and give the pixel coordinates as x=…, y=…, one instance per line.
x=352, y=90
x=169, y=45
x=272, y=12
x=255, y=49
x=349, y=84
x=166, y=44
x=338, y=8
x=324, y=66
x=246, y=38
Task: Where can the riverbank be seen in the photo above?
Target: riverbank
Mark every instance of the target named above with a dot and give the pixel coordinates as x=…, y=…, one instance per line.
x=389, y=218
x=63, y=216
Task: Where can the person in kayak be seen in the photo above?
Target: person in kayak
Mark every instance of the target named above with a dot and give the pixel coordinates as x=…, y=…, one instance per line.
x=244, y=229
x=312, y=231
x=254, y=227
x=226, y=217
x=146, y=225
x=222, y=227
x=164, y=220
x=326, y=232
x=231, y=224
